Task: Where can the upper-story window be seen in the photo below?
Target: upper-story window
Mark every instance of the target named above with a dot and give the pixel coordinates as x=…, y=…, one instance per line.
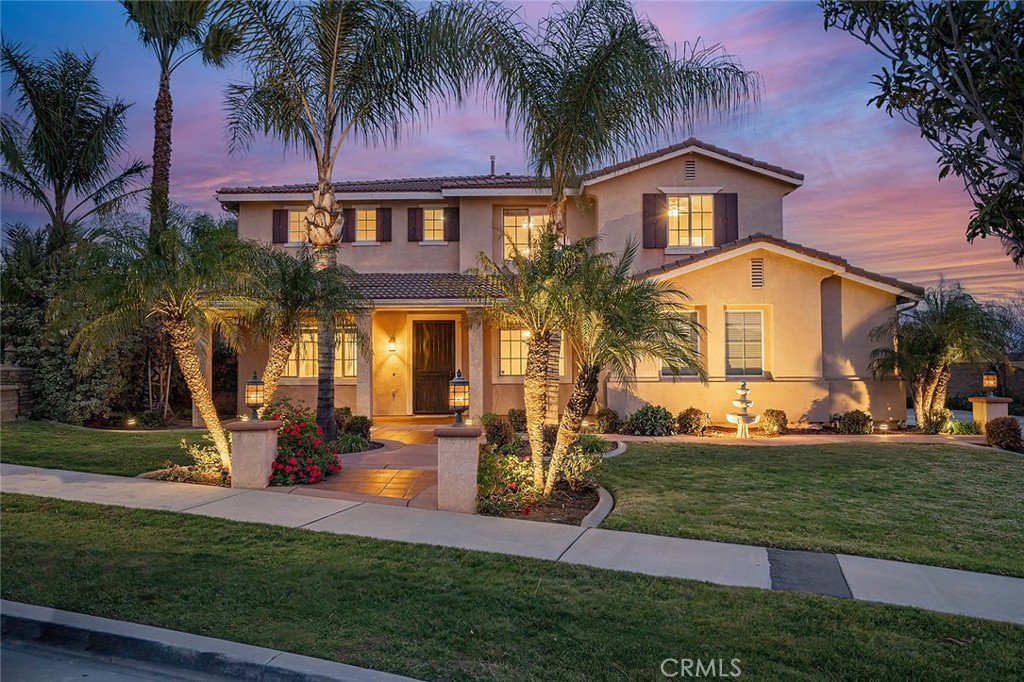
x=433, y=224
x=366, y=224
x=296, y=226
x=521, y=227
x=691, y=220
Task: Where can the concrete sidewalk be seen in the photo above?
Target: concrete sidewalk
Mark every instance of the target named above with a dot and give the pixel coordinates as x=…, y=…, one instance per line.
x=980, y=595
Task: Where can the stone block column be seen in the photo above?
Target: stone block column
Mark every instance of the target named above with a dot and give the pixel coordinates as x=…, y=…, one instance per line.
x=253, y=449
x=986, y=408
x=458, y=457
x=364, y=369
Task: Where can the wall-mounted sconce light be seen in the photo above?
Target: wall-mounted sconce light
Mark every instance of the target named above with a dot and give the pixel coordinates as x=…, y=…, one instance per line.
x=392, y=345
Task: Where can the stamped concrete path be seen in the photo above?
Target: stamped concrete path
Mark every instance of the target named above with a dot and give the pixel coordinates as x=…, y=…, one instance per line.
x=938, y=589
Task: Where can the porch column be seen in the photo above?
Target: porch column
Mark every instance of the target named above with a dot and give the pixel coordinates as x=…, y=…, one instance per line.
x=206, y=363
x=364, y=368
x=476, y=369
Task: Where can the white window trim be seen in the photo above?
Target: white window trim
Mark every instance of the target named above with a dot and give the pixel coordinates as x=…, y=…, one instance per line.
x=689, y=190
x=725, y=341
x=433, y=243
x=366, y=243
x=684, y=250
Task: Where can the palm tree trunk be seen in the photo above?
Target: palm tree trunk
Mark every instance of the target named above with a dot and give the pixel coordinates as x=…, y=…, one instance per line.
x=534, y=393
x=917, y=388
x=941, y=385
x=183, y=342
x=158, y=198
x=325, y=379
x=280, y=351
x=584, y=391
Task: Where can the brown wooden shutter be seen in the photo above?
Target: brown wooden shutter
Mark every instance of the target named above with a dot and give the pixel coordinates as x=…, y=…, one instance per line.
x=383, y=224
x=415, y=224
x=655, y=221
x=451, y=224
x=348, y=230
x=280, y=233
x=726, y=222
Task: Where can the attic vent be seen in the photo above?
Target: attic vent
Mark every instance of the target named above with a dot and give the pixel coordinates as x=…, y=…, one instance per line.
x=690, y=169
x=757, y=273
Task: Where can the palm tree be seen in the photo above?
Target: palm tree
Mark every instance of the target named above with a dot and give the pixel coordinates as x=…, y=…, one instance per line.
x=525, y=292
x=947, y=326
x=292, y=291
x=328, y=71
x=175, y=30
x=612, y=320
x=61, y=157
x=190, y=279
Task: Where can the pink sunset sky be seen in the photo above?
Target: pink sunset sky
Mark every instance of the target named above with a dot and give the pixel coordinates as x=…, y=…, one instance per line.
x=871, y=192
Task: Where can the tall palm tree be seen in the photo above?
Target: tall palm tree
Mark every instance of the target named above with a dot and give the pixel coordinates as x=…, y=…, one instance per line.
x=292, y=292
x=525, y=292
x=947, y=326
x=175, y=30
x=62, y=155
x=325, y=72
x=189, y=279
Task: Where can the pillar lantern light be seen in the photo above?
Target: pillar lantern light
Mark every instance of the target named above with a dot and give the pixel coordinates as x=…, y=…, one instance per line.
x=990, y=380
x=254, y=396
x=458, y=396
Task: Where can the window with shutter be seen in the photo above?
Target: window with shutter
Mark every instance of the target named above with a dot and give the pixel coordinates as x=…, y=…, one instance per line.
x=366, y=224
x=744, y=343
x=691, y=220
x=433, y=224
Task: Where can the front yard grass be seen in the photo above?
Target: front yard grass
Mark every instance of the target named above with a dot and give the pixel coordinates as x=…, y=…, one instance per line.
x=945, y=505
x=56, y=446
x=448, y=614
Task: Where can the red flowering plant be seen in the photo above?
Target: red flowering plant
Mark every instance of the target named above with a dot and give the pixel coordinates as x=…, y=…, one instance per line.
x=303, y=456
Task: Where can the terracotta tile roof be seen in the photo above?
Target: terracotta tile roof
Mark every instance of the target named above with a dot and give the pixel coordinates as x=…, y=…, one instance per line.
x=380, y=286
x=399, y=185
x=694, y=142
x=792, y=246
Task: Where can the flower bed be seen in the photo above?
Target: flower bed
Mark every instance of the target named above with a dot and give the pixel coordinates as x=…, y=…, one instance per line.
x=303, y=456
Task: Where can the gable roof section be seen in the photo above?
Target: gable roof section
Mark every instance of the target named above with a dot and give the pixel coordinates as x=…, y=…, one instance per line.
x=841, y=267
x=695, y=146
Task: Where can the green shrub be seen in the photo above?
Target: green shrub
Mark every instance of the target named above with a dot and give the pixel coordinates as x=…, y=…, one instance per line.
x=962, y=428
x=935, y=421
x=504, y=483
x=958, y=402
x=513, y=447
x=517, y=419
x=774, y=422
x=690, y=422
x=351, y=442
x=580, y=468
x=303, y=456
x=206, y=467
x=593, y=445
x=855, y=422
x=651, y=420
x=607, y=420
x=152, y=419
x=497, y=431
x=359, y=425
x=341, y=417
x=1004, y=432
x=1016, y=408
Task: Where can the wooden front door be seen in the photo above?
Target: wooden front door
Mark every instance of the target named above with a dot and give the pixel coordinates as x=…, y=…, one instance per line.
x=433, y=365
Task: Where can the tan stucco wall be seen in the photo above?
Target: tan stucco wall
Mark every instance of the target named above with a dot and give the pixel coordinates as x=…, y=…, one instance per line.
x=254, y=359
x=619, y=201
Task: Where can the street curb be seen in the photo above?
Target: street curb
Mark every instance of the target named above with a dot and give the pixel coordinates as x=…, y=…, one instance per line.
x=619, y=449
x=605, y=504
x=171, y=648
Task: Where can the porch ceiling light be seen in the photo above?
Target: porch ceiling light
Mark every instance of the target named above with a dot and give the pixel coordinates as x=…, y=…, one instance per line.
x=458, y=397
x=392, y=345
x=254, y=396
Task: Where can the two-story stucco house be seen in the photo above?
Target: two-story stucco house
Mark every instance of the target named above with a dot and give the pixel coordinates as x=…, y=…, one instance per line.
x=792, y=322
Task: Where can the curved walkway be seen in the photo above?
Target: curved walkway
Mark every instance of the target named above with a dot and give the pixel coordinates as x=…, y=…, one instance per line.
x=938, y=589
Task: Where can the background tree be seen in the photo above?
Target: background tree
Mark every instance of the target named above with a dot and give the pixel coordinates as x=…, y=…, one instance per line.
x=293, y=292
x=956, y=71
x=190, y=279
x=946, y=327
x=328, y=71
x=175, y=30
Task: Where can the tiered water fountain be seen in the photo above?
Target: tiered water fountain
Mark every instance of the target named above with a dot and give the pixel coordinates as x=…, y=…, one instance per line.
x=741, y=419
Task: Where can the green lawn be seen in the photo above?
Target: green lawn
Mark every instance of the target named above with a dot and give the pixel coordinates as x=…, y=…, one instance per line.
x=936, y=504
x=450, y=614
x=55, y=446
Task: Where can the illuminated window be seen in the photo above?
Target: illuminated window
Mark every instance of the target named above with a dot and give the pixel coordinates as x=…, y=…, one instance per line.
x=433, y=224
x=303, y=360
x=744, y=352
x=296, y=226
x=366, y=224
x=691, y=220
x=521, y=227
x=513, y=348
x=693, y=344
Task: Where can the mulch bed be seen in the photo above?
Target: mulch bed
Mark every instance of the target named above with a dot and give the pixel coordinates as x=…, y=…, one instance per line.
x=564, y=506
